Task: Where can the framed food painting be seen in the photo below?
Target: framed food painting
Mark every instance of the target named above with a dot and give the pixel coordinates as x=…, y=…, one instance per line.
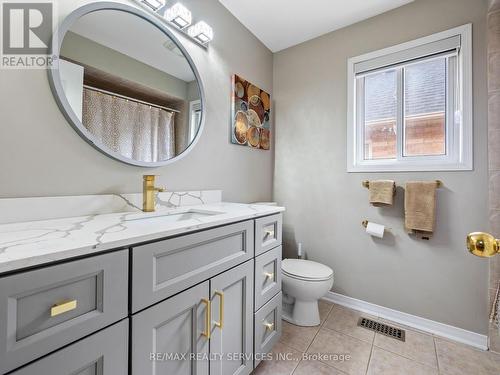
x=250, y=115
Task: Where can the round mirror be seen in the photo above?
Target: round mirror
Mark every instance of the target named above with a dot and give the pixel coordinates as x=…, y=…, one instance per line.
x=126, y=84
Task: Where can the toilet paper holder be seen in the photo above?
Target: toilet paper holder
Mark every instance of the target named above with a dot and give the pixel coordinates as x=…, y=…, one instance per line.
x=365, y=224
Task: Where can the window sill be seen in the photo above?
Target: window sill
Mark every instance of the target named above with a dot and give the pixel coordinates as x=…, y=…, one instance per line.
x=392, y=166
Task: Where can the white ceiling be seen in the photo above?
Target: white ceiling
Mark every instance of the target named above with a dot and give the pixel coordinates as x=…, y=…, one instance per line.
x=136, y=38
x=280, y=24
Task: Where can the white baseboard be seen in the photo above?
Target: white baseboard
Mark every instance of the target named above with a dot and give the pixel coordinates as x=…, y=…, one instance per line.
x=440, y=329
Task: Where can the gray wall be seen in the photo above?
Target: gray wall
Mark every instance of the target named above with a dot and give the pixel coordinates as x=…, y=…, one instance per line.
x=435, y=279
x=40, y=154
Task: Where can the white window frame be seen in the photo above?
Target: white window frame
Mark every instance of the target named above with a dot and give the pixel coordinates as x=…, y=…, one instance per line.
x=459, y=127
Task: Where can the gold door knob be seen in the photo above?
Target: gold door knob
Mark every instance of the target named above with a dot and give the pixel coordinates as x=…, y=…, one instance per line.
x=483, y=244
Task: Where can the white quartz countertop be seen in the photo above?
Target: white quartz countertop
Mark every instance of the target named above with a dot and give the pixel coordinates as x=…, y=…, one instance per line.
x=33, y=243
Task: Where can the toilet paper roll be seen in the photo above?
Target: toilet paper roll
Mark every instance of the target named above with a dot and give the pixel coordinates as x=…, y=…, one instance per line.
x=375, y=230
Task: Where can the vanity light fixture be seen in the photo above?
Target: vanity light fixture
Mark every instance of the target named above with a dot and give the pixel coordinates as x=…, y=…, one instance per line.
x=179, y=15
x=202, y=32
x=154, y=4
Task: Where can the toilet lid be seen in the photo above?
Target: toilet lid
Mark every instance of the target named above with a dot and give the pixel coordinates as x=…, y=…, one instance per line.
x=306, y=269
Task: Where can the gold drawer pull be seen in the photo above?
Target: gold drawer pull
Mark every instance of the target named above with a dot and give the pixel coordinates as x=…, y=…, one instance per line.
x=63, y=307
x=220, y=323
x=269, y=233
x=269, y=326
x=269, y=275
x=208, y=318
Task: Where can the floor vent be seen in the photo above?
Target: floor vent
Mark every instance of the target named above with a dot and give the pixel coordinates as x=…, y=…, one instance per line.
x=383, y=329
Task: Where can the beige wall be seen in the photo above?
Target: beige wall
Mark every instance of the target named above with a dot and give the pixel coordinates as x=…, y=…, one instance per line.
x=40, y=154
x=435, y=279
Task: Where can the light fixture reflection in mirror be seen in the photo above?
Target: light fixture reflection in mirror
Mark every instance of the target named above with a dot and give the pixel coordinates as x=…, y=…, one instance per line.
x=140, y=103
x=154, y=4
x=179, y=15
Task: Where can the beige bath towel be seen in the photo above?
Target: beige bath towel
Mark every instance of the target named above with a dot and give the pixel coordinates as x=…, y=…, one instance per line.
x=420, y=208
x=382, y=192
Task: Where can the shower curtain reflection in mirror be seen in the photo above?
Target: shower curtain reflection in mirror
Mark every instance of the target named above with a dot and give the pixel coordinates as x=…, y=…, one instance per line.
x=135, y=130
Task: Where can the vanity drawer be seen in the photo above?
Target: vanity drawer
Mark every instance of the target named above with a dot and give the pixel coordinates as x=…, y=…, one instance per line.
x=45, y=309
x=164, y=268
x=267, y=276
x=267, y=327
x=103, y=353
x=267, y=233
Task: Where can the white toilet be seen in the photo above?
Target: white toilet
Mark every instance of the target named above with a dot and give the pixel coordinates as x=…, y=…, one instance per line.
x=304, y=283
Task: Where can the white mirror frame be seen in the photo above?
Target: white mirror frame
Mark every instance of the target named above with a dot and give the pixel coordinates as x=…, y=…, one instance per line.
x=60, y=96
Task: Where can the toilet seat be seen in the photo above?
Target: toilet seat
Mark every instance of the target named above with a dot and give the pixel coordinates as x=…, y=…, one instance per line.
x=306, y=270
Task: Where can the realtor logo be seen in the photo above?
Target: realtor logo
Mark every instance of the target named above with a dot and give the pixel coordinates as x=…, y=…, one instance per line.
x=26, y=34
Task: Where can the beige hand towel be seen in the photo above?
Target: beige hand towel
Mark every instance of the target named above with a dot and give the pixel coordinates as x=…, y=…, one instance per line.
x=420, y=207
x=382, y=192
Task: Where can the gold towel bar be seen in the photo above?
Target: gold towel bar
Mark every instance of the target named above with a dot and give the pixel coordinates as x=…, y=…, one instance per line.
x=366, y=183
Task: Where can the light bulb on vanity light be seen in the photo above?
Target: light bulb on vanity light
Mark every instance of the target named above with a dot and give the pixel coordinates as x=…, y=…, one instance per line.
x=202, y=32
x=154, y=4
x=179, y=15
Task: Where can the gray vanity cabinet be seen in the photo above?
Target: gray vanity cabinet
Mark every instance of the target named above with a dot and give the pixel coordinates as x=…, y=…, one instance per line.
x=231, y=343
x=171, y=337
x=200, y=303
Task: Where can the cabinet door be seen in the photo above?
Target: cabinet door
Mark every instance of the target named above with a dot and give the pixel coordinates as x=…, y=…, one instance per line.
x=103, y=353
x=231, y=344
x=168, y=338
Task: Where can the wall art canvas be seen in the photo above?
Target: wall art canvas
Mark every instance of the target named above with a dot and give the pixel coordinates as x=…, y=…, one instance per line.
x=250, y=115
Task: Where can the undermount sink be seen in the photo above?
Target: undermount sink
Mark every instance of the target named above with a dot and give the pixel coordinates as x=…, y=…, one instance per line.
x=173, y=215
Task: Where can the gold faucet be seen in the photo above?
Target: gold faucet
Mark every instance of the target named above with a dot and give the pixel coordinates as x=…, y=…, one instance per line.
x=149, y=193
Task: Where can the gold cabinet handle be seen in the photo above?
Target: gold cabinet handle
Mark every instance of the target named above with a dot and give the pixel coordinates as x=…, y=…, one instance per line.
x=269, y=275
x=269, y=233
x=208, y=319
x=269, y=326
x=220, y=323
x=63, y=307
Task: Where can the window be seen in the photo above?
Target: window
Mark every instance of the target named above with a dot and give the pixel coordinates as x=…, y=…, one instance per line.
x=194, y=119
x=410, y=106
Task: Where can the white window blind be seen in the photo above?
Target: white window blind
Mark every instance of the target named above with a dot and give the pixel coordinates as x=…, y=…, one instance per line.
x=451, y=44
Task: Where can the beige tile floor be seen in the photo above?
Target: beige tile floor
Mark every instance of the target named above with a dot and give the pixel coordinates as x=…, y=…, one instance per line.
x=370, y=353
